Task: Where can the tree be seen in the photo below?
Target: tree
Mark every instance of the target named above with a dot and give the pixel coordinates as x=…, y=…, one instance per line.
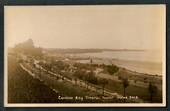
x=103, y=82
x=87, y=77
x=85, y=80
x=91, y=61
x=153, y=90
x=125, y=83
x=91, y=77
x=75, y=79
x=111, y=69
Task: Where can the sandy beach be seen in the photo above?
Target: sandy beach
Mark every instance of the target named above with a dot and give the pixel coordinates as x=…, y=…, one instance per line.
x=139, y=66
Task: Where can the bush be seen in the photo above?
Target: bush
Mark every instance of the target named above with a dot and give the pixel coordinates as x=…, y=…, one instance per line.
x=111, y=69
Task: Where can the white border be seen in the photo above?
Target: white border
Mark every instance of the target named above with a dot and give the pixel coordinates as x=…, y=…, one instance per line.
x=6, y=104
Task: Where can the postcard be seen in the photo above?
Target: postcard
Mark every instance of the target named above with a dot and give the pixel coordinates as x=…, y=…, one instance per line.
x=85, y=56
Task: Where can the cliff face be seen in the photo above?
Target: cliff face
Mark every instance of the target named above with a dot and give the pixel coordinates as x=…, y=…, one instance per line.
x=28, y=48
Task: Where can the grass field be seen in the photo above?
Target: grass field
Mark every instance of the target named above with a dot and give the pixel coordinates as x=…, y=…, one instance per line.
x=132, y=90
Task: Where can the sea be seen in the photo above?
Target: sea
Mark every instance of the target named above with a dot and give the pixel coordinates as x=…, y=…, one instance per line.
x=149, y=62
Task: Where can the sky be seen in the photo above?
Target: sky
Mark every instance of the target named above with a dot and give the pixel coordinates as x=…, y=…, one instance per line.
x=94, y=26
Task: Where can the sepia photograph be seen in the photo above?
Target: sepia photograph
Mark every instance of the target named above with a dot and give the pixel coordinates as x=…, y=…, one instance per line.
x=85, y=55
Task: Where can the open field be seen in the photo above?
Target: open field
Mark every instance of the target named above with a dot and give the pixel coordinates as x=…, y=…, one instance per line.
x=132, y=90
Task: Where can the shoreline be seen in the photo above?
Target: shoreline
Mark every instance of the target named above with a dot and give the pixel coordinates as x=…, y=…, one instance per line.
x=149, y=68
x=141, y=67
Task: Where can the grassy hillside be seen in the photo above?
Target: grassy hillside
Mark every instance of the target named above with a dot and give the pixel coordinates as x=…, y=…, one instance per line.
x=23, y=88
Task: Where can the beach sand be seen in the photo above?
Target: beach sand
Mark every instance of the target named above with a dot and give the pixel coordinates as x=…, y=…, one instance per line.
x=140, y=66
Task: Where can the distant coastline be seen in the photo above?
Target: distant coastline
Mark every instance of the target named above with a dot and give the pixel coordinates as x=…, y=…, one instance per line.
x=78, y=50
